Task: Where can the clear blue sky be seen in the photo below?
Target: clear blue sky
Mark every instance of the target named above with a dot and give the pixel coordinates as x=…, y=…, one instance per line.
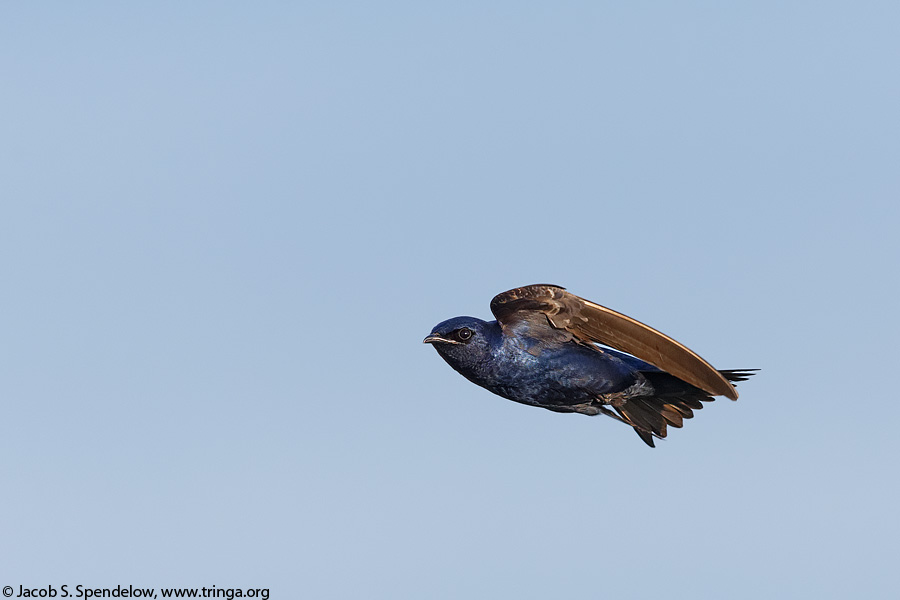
x=225, y=229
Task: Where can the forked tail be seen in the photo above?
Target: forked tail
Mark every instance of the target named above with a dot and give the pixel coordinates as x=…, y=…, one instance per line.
x=673, y=402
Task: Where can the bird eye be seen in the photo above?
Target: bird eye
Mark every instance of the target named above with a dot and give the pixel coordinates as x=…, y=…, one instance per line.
x=464, y=334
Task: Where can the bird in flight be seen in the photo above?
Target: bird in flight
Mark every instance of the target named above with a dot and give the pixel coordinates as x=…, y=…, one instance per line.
x=552, y=349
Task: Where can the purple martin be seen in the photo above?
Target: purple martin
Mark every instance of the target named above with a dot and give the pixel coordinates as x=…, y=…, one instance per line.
x=552, y=349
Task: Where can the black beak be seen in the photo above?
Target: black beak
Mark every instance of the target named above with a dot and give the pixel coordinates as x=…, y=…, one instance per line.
x=436, y=339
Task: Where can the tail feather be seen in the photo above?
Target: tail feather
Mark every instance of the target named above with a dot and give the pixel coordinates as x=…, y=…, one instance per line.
x=739, y=374
x=672, y=402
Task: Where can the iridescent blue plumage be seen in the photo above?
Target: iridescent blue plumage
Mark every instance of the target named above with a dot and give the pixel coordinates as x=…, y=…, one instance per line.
x=531, y=369
x=526, y=358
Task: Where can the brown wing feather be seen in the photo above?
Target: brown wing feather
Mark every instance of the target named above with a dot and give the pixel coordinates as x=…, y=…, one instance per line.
x=594, y=323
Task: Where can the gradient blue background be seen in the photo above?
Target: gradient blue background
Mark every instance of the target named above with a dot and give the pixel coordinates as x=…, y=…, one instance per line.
x=225, y=230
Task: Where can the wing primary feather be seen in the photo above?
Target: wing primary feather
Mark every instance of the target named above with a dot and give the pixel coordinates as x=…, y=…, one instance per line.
x=594, y=323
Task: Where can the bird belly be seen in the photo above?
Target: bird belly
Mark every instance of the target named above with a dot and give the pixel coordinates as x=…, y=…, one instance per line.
x=560, y=377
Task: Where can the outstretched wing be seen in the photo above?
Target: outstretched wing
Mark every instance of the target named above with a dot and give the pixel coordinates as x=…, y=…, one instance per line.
x=591, y=322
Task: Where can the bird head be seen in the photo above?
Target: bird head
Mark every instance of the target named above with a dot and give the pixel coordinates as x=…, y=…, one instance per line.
x=462, y=341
